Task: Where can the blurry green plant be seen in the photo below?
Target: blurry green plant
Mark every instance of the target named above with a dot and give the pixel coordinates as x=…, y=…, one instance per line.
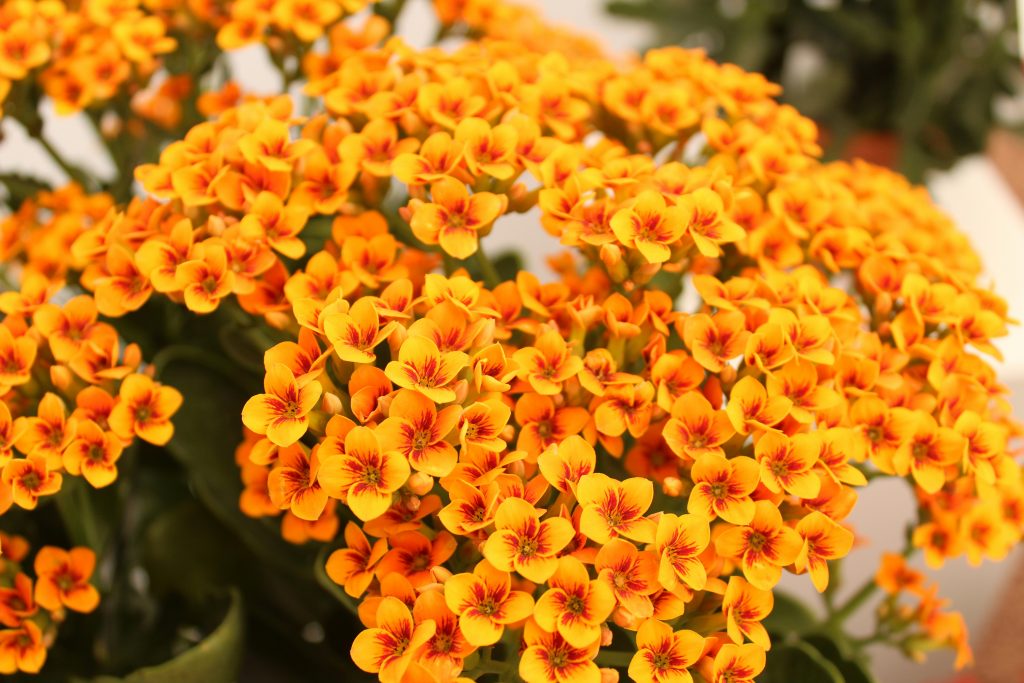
x=923, y=76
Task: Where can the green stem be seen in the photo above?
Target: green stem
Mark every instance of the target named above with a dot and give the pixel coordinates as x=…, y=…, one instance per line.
x=487, y=270
x=855, y=601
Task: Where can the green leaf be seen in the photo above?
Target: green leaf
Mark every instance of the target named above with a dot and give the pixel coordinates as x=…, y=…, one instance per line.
x=216, y=659
x=799, y=663
x=207, y=429
x=852, y=670
x=790, y=616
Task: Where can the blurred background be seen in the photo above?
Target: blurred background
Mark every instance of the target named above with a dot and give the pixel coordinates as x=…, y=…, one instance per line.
x=933, y=88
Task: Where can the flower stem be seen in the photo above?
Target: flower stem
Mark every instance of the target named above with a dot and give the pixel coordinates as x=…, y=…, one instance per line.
x=487, y=269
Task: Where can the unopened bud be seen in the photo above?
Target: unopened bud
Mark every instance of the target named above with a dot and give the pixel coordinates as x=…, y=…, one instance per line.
x=420, y=483
x=331, y=403
x=672, y=486
x=609, y=676
x=606, y=635
x=412, y=503
x=440, y=574
x=60, y=376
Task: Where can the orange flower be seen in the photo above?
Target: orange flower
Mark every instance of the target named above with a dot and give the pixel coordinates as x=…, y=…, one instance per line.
x=745, y=607
x=17, y=355
x=93, y=454
x=697, y=429
x=614, y=508
x=522, y=542
x=144, y=410
x=29, y=479
x=393, y=644
x=22, y=649
x=751, y=408
x=550, y=658
x=455, y=217
x=363, y=475
x=422, y=367
x=541, y=424
x=417, y=430
x=706, y=222
x=679, y=542
x=574, y=606
x=823, y=540
x=62, y=579
x=293, y=484
x=787, y=464
x=270, y=145
x=353, y=566
x=895, y=576
x=547, y=363
x=47, y=434
x=715, y=340
x=722, y=488
x=486, y=603
x=650, y=226
x=415, y=556
x=269, y=220
x=66, y=328
x=16, y=602
x=206, y=279
x=438, y=157
x=282, y=413
x=664, y=656
x=488, y=151
x=564, y=464
x=738, y=663
x=471, y=509
x=928, y=450
x=625, y=407
x=763, y=547
x=123, y=289
x=481, y=424
x=448, y=648
x=631, y=574
x=355, y=334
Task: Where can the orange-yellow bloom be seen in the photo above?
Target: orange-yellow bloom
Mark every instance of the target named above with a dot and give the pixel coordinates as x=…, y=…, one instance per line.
x=615, y=508
x=574, y=605
x=363, y=475
x=823, y=540
x=547, y=363
x=422, y=367
x=93, y=454
x=393, y=644
x=722, y=488
x=763, y=547
x=745, y=607
x=650, y=226
x=144, y=409
x=680, y=541
x=486, y=603
x=455, y=217
x=525, y=544
x=416, y=429
x=697, y=429
x=352, y=567
x=30, y=478
x=664, y=656
x=787, y=463
x=738, y=663
x=550, y=658
x=62, y=579
x=282, y=413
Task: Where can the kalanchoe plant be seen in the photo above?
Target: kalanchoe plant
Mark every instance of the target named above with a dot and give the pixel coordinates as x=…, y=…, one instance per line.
x=449, y=468
x=912, y=84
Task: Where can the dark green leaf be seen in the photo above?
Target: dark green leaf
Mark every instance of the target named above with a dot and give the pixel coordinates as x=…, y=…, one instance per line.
x=852, y=670
x=215, y=659
x=798, y=663
x=789, y=616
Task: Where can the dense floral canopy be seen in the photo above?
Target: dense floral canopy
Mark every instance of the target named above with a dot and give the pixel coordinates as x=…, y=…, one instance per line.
x=560, y=468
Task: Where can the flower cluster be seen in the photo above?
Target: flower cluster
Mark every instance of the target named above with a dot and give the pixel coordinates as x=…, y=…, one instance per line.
x=592, y=472
x=32, y=610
